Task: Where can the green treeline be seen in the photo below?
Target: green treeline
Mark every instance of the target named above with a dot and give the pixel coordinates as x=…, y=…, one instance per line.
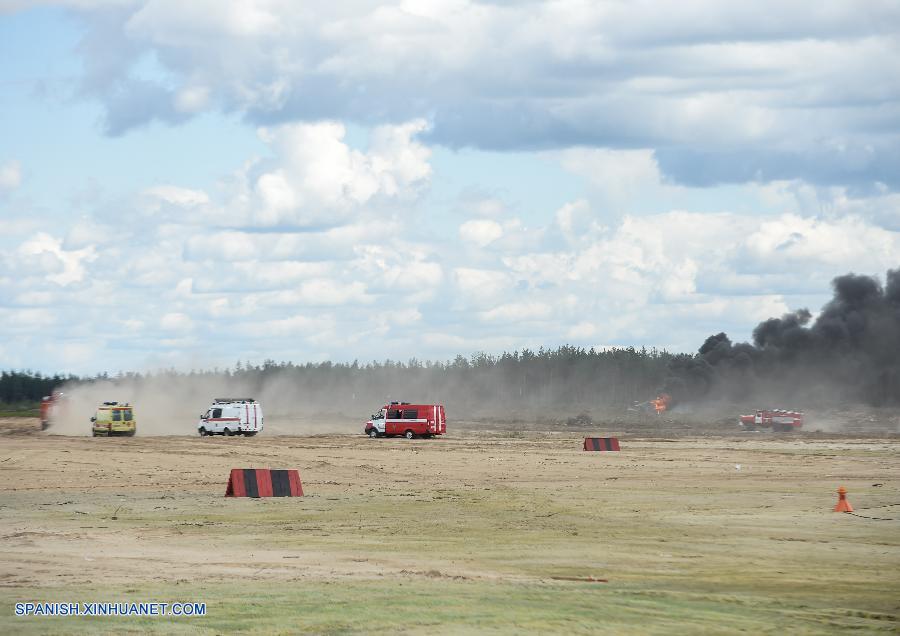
x=18, y=387
x=566, y=377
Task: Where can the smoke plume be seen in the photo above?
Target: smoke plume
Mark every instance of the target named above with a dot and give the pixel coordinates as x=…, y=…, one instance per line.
x=850, y=352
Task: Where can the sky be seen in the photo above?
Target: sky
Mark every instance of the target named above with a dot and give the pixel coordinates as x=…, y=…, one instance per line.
x=190, y=184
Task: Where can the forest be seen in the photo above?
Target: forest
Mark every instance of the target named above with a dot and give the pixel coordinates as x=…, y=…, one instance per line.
x=26, y=387
x=563, y=377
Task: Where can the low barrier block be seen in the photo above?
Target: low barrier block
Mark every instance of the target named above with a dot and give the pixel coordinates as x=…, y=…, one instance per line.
x=264, y=482
x=601, y=443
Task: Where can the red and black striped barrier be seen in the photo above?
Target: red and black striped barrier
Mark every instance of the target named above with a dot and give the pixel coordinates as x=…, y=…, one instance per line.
x=264, y=482
x=601, y=443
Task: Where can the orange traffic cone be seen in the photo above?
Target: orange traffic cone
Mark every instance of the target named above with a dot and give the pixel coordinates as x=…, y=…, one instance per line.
x=843, y=505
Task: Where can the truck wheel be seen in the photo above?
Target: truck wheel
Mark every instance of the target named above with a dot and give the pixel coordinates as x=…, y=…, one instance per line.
x=409, y=434
x=227, y=432
x=373, y=433
x=202, y=432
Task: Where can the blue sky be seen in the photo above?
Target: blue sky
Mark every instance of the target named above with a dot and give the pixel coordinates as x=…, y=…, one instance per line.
x=193, y=184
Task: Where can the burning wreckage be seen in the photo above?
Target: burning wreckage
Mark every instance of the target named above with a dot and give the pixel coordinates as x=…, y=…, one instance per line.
x=659, y=405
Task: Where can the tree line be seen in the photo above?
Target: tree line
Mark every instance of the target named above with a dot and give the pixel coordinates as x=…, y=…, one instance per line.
x=19, y=387
x=566, y=378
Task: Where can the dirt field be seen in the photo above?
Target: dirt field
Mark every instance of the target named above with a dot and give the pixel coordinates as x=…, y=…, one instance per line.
x=476, y=532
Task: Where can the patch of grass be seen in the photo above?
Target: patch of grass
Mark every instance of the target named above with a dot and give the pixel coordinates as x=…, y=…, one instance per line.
x=20, y=409
x=426, y=605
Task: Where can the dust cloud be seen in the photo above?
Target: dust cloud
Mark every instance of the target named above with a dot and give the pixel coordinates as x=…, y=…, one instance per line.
x=171, y=404
x=848, y=355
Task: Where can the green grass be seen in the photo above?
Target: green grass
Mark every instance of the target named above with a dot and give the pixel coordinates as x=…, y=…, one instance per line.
x=380, y=545
x=423, y=605
x=732, y=588
x=20, y=409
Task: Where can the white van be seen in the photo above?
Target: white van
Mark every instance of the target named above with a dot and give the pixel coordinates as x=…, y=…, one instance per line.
x=232, y=416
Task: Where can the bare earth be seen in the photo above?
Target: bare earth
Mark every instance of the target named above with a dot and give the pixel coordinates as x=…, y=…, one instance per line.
x=475, y=532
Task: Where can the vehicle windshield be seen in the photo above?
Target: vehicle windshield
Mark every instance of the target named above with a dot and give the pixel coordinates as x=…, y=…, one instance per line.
x=379, y=415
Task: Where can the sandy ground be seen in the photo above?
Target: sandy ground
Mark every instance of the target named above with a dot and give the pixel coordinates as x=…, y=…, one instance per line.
x=746, y=516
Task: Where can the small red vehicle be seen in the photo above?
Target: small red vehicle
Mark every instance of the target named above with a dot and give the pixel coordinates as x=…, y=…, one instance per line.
x=50, y=406
x=409, y=420
x=776, y=419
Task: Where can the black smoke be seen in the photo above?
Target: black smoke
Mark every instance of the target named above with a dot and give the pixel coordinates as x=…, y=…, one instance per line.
x=850, y=352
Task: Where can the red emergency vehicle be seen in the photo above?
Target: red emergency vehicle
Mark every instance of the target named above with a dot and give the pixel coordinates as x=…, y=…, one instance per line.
x=50, y=407
x=409, y=420
x=776, y=419
x=46, y=407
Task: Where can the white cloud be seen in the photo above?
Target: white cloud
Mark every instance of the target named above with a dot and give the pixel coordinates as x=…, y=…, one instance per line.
x=182, y=197
x=10, y=176
x=44, y=255
x=328, y=293
x=576, y=221
x=518, y=312
x=399, y=267
x=176, y=321
x=330, y=245
x=477, y=203
x=291, y=327
x=728, y=94
x=778, y=243
x=317, y=179
x=192, y=99
x=480, y=232
x=618, y=174
x=481, y=287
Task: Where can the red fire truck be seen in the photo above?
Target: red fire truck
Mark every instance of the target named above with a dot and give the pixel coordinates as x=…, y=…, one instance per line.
x=50, y=406
x=409, y=420
x=776, y=419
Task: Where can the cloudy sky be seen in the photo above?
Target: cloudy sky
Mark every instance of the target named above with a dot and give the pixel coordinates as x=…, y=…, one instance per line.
x=194, y=183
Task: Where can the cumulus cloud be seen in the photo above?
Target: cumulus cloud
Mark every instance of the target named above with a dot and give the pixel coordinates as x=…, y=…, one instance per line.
x=173, y=266
x=44, y=256
x=654, y=278
x=723, y=167
x=317, y=179
x=722, y=93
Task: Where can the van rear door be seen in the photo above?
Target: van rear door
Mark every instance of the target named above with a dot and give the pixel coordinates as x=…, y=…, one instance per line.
x=253, y=417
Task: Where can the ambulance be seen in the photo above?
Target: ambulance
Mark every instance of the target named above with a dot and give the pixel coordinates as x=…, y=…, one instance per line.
x=113, y=418
x=232, y=416
x=409, y=420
